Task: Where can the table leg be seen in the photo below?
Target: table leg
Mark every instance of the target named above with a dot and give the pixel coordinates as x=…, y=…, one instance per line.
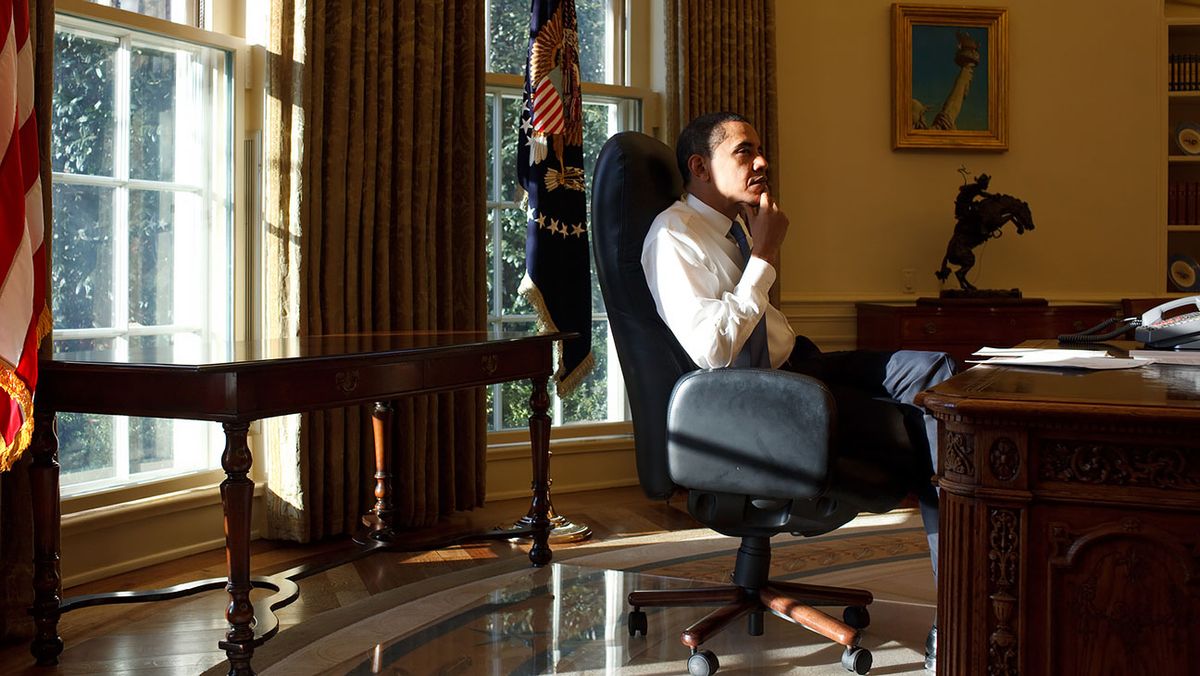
x=47, y=513
x=562, y=530
x=379, y=519
x=237, y=494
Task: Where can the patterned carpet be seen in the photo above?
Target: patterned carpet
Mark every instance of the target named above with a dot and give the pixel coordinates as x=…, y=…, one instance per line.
x=570, y=617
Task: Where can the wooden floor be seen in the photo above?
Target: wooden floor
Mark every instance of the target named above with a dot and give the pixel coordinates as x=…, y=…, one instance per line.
x=180, y=636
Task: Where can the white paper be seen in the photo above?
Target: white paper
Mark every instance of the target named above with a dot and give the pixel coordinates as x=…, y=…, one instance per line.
x=1186, y=357
x=1052, y=357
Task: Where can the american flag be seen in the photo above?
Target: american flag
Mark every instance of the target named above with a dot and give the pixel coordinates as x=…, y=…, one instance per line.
x=24, y=316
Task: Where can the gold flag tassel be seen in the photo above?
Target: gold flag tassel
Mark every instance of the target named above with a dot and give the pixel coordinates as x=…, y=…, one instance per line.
x=567, y=382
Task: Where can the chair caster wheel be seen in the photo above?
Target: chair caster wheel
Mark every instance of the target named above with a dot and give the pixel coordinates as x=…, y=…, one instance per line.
x=637, y=622
x=703, y=663
x=857, y=659
x=857, y=616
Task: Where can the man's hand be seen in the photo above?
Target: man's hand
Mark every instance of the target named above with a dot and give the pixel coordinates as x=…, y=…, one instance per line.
x=768, y=227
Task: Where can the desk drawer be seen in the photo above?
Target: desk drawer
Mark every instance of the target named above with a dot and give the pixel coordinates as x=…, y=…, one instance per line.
x=494, y=366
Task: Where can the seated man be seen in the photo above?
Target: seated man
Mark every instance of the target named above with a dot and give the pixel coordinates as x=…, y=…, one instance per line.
x=710, y=279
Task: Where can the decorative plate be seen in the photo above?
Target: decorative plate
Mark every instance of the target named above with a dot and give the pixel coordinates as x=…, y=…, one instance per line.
x=1187, y=137
x=1184, y=273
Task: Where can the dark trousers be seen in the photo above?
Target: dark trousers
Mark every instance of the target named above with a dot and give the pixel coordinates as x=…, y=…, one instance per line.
x=891, y=376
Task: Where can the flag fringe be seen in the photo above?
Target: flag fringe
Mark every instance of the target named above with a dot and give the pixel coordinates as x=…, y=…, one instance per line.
x=566, y=382
x=18, y=391
x=45, y=324
x=10, y=453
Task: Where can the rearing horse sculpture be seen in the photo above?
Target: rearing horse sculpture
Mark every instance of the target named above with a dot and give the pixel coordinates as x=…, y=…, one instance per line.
x=982, y=223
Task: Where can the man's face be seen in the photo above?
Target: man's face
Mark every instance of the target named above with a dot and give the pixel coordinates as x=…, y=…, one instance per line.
x=737, y=165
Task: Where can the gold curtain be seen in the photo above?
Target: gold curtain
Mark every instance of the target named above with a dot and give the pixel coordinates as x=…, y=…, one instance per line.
x=376, y=219
x=16, y=509
x=721, y=56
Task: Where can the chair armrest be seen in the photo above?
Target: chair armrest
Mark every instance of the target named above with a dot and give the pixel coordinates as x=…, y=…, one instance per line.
x=757, y=432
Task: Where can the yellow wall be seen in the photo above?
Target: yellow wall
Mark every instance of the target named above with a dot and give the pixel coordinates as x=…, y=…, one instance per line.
x=1085, y=150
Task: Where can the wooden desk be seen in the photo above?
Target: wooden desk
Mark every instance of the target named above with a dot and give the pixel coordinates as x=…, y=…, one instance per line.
x=1070, y=520
x=236, y=384
x=961, y=329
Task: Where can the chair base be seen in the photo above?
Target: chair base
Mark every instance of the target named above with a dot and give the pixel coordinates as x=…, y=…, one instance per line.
x=790, y=600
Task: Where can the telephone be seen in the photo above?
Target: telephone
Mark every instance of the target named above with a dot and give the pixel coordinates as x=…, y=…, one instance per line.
x=1180, y=332
x=1177, y=332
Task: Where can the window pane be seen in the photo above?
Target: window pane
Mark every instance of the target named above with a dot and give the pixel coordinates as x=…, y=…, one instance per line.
x=514, y=395
x=82, y=118
x=82, y=273
x=512, y=259
x=592, y=18
x=151, y=257
x=590, y=401
x=69, y=346
x=489, y=127
x=510, y=190
x=491, y=264
x=152, y=103
x=85, y=448
x=508, y=33
x=150, y=445
x=171, y=10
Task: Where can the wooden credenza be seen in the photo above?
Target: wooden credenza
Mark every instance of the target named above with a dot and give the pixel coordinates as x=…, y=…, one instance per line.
x=1070, y=520
x=962, y=329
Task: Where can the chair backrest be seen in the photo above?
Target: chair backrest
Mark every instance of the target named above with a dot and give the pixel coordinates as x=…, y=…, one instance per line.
x=635, y=179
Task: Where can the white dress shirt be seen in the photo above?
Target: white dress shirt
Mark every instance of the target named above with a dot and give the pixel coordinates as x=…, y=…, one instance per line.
x=711, y=304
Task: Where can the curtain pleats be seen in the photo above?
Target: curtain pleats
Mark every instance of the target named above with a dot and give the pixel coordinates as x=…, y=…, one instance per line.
x=391, y=230
x=720, y=55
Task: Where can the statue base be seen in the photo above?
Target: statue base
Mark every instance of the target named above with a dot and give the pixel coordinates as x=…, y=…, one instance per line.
x=981, y=297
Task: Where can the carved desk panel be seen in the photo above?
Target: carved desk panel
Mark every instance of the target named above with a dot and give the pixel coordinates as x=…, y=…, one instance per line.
x=1070, y=520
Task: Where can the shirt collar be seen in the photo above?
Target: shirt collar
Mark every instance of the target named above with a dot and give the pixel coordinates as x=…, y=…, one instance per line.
x=712, y=218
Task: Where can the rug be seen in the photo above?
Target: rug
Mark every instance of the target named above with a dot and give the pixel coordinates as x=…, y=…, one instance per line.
x=570, y=617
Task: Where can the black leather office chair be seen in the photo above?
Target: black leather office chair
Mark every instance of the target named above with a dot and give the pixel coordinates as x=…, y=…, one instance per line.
x=692, y=427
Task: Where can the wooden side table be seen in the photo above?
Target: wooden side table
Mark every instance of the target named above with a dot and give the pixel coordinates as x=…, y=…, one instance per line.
x=962, y=329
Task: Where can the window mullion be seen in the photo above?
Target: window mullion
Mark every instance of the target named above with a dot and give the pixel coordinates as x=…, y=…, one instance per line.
x=121, y=239
x=497, y=243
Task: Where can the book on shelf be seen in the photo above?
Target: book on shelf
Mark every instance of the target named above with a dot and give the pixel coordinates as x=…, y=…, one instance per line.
x=1183, y=72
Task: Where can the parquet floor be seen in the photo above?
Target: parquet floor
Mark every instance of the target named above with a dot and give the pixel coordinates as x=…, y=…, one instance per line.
x=180, y=636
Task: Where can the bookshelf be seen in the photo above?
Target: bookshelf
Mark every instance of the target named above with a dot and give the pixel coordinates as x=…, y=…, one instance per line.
x=1182, y=64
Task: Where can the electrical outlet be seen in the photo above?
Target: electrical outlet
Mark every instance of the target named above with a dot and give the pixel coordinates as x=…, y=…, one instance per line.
x=906, y=275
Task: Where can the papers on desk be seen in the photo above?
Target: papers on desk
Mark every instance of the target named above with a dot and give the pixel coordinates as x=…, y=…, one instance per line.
x=1052, y=358
x=1186, y=357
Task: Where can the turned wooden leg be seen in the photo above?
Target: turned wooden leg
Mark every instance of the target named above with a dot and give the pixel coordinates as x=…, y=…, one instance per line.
x=237, y=494
x=380, y=516
x=47, y=576
x=539, y=439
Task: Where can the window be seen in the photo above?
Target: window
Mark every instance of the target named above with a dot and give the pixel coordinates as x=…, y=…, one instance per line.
x=142, y=155
x=601, y=396
x=175, y=11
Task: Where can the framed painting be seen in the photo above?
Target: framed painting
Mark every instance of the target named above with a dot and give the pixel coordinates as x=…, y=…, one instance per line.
x=950, y=77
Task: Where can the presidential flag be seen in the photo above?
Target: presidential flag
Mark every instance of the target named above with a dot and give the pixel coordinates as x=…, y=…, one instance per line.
x=558, y=276
x=24, y=317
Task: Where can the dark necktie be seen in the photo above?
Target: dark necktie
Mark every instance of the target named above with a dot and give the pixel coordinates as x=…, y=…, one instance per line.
x=755, y=352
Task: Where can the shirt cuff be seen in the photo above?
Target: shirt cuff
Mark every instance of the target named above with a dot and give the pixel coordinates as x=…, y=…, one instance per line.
x=758, y=276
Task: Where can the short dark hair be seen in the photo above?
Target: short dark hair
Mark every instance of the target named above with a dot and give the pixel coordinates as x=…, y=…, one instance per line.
x=697, y=138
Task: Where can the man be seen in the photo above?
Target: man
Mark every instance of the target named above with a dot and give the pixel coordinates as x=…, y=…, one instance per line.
x=710, y=283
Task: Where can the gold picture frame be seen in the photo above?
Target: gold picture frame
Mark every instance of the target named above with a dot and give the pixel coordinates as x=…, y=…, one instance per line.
x=942, y=54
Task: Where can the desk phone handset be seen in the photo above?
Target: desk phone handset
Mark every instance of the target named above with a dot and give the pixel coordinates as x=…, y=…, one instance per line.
x=1180, y=332
x=1176, y=332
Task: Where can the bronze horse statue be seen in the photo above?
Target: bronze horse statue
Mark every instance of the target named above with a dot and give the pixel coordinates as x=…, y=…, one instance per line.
x=981, y=223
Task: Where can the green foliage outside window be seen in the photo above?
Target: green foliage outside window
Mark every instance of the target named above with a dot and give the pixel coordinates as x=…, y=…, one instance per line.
x=508, y=41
